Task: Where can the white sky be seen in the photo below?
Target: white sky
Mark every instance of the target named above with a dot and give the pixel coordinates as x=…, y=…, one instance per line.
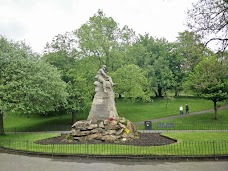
x=38, y=21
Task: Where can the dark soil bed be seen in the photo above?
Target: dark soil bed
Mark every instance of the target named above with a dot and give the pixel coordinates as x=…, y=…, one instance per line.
x=145, y=139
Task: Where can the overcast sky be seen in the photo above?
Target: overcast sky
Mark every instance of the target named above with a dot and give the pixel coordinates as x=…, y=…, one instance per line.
x=38, y=21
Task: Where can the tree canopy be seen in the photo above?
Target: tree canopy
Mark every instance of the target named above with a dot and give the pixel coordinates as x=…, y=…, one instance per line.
x=28, y=85
x=209, y=19
x=210, y=80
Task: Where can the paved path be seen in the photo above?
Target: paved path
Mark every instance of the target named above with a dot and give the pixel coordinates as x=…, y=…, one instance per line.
x=10, y=162
x=178, y=116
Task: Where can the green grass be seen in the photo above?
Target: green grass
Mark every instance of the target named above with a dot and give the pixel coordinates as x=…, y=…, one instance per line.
x=188, y=144
x=195, y=122
x=23, y=123
x=133, y=111
x=157, y=109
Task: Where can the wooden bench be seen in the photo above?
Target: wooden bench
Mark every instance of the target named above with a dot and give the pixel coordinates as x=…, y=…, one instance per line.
x=165, y=125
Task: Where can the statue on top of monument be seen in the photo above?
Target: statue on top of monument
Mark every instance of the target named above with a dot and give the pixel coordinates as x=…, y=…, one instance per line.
x=103, y=106
x=102, y=77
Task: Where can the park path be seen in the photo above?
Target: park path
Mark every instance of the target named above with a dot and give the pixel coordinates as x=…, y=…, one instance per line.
x=9, y=162
x=178, y=116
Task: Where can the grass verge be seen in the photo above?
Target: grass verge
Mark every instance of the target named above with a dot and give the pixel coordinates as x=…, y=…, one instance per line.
x=188, y=144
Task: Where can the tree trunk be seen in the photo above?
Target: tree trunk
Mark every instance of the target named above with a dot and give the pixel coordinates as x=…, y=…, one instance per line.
x=159, y=91
x=73, y=119
x=1, y=124
x=176, y=93
x=215, y=109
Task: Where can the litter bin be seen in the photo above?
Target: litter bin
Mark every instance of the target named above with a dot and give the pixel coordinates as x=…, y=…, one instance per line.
x=147, y=125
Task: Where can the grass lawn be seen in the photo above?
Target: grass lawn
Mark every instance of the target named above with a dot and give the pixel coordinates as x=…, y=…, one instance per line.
x=133, y=111
x=195, y=122
x=190, y=143
x=157, y=109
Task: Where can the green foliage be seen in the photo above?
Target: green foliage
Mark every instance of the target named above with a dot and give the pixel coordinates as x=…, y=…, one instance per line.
x=80, y=86
x=102, y=38
x=210, y=79
x=28, y=85
x=131, y=82
x=153, y=58
x=98, y=36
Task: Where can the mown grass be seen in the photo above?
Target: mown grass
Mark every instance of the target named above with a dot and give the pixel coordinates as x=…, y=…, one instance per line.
x=139, y=111
x=135, y=112
x=204, y=121
x=194, y=143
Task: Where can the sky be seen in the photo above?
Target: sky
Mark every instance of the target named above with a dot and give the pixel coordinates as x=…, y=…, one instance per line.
x=37, y=21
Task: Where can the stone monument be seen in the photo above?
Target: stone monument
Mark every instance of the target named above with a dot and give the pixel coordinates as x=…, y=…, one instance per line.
x=103, y=122
x=103, y=106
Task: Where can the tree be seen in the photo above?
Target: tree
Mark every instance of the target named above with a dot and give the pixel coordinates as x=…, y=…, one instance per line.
x=210, y=80
x=80, y=85
x=131, y=82
x=185, y=54
x=28, y=85
x=153, y=56
x=100, y=36
x=62, y=42
x=191, y=49
x=209, y=18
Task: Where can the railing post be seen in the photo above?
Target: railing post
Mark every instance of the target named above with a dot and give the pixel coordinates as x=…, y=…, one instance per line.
x=213, y=146
x=27, y=145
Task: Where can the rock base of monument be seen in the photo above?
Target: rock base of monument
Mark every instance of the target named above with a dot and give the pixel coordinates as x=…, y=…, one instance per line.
x=109, y=130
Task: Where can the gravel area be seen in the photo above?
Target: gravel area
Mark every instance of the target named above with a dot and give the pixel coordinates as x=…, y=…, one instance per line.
x=145, y=139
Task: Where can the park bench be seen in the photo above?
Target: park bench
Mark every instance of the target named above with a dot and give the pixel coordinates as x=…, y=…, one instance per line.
x=165, y=125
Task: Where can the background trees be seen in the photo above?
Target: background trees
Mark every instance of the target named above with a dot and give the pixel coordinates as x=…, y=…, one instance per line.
x=28, y=85
x=131, y=83
x=142, y=66
x=209, y=19
x=209, y=80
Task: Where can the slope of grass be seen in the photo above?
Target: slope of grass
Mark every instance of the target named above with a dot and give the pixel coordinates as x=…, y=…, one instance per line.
x=204, y=121
x=157, y=109
x=133, y=111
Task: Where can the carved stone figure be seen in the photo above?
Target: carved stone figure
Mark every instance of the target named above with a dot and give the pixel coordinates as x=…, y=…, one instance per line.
x=103, y=105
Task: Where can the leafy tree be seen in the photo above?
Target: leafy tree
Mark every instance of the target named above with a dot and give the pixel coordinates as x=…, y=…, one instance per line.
x=191, y=49
x=209, y=18
x=80, y=85
x=210, y=80
x=101, y=38
x=27, y=84
x=185, y=54
x=131, y=82
x=98, y=36
x=153, y=57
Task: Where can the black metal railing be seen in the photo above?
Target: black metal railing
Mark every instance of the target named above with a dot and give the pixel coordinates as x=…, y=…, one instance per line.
x=184, y=126
x=181, y=149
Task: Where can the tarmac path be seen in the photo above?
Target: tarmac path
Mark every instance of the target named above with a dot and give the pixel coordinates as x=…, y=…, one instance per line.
x=10, y=162
x=177, y=116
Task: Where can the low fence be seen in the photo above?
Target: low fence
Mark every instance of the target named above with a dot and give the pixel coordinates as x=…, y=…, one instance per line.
x=145, y=126
x=43, y=128
x=148, y=125
x=214, y=149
